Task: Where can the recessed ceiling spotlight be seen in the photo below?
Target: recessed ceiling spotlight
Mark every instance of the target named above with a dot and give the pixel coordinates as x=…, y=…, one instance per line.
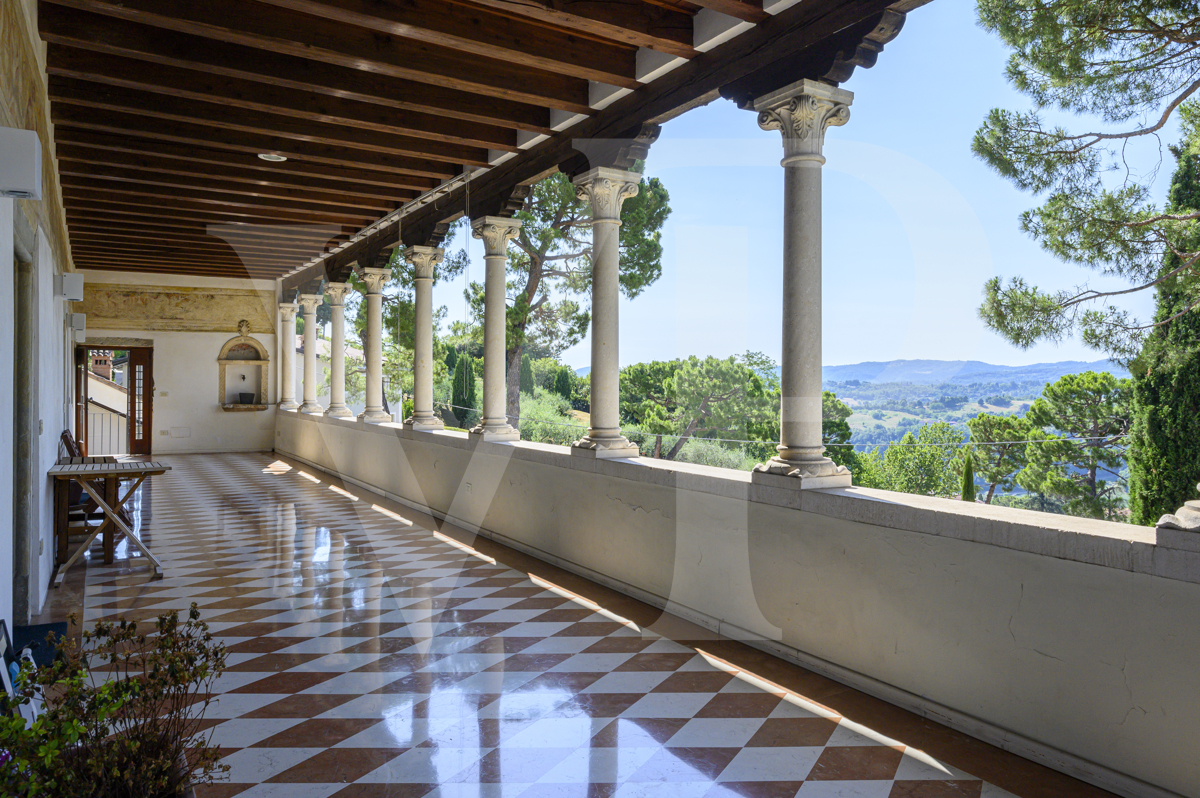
x=272, y=157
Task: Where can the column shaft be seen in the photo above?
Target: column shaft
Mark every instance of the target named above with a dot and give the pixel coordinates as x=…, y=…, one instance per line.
x=337, y=351
x=496, y=232
x=802, y=112
x=287, y=356
x=424, y=259
x=375, y=278
x=310, y=302
x=606, y=190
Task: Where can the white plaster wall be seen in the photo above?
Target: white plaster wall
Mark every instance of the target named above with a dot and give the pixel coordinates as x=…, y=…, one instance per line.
x=7, y=313
x=1087, y=667
x=54, y=405
x=186, y=381
x=107, y=394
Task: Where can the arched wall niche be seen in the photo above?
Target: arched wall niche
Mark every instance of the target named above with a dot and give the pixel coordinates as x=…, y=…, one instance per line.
x=243, y=363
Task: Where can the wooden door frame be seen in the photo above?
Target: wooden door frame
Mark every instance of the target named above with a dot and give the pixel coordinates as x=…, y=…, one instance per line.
x=147, y=402
x=81, y=407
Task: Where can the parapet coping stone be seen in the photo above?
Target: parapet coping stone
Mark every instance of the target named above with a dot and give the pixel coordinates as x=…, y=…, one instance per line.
x=1101, y=543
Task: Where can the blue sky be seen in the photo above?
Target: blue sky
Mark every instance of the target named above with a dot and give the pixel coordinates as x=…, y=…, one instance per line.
x=914, y=224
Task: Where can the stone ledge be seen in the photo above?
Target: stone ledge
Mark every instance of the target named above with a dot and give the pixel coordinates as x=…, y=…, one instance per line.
x=1083, y=540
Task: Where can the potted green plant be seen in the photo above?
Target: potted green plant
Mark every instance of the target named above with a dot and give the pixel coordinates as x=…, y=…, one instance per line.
x=122, y=715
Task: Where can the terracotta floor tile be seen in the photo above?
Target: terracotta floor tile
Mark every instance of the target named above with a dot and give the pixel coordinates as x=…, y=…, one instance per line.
x=285, y=683
x=740, y=705
x=317, y=733
x=936, y=789
x=855, y=762
x=337, y=765
x=793, y=732
x=299, y=706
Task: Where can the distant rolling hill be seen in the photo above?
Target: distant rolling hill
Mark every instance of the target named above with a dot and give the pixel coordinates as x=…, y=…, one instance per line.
x=964, y=372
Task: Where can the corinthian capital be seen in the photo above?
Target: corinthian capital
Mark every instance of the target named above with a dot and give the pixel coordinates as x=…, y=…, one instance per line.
x=606, y=191
x=288, y=310
x=496, y=232
x=424, y=259
x=337, y=293
x=802, y=112
x=375, y=278
x=310, y=303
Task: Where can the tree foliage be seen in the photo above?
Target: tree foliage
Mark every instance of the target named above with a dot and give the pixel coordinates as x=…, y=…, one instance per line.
x=922, y=464
x=1123, y=62
x=835, y=430
x=463, y=388
x=562, y=382
x=526, y=374
x=1164, y=444
x=550, y=268
x=1002, y=450
x=1090, y=412
x=968, y=479
x=680, y=399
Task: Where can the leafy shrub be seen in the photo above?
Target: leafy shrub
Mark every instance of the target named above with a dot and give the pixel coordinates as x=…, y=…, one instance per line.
x=544, y=415
x=130, y=728
x=702, y=451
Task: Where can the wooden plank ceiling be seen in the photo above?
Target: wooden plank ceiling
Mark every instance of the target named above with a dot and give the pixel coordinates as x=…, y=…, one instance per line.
x=162, y=108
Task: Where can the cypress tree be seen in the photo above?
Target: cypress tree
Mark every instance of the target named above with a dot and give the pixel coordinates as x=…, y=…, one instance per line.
x=562, y=382
x=463, y=389
x=968, y=482
x=526, y=375
x=451, y=359
x=1164, y=451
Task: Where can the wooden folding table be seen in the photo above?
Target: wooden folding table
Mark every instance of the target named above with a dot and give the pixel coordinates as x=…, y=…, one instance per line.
x=106, y=472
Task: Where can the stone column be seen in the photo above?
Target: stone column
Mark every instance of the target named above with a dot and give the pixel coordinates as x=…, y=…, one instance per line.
x=424, y=259
x=496, y=232
x=309, y=304
x=375, y=278
x=287, y=360
x=802, y=112
x=606, y=190
x=337, y=351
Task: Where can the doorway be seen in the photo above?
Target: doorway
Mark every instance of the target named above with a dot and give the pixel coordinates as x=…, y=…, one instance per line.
x=114, y=390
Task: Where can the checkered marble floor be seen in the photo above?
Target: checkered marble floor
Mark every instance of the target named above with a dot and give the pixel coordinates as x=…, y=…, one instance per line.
x=372, y=655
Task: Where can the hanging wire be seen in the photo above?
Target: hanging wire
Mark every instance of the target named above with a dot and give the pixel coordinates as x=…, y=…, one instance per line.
x=467, y=268
x=747, y=442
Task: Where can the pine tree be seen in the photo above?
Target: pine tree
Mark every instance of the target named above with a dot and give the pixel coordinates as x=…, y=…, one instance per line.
x=1164, y=453
x=526, y=374
x=562, y=383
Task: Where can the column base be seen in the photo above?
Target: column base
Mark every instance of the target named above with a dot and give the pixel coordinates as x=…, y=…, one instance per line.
x=339, y=411
x=605, y=448
x=288, y=405
x=376, y=416
x=312, y=408
x=805, y=475
x=495, y=432
x=424, y=424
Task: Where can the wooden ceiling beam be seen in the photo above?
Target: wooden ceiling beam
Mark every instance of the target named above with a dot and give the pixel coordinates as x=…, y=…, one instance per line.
x=180, y=255
x=240, y=141
x=181, y=185
x=203, y=243
x=481, y=32
x=218, y=213
x=168, y=262
x=70, y=91
x=114, y=222
x=120, y=191
x=130, y=74
x=190, y=157
x=745, y=10
x=73, y=159
x=198, y=269
x=99, y=210
x=288, y=33
x=630, y=21
x=96, y=33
